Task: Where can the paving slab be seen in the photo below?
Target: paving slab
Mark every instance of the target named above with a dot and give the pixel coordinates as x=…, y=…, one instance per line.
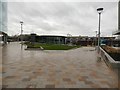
x=76, y=68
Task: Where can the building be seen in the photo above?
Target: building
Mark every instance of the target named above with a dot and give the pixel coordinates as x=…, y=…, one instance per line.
x=118, y=31
x=3, y=21
x=72, y=40
x=92, y=41
x=119, y=19
x=48, y=39
x=117, y=41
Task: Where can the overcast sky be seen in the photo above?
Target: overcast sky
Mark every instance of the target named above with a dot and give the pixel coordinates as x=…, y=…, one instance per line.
x=61, y=18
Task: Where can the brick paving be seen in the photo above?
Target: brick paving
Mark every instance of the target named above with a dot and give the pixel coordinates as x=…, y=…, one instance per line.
x=76, y=68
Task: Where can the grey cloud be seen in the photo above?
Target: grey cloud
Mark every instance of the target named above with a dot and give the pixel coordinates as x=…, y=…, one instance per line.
x=62, y=17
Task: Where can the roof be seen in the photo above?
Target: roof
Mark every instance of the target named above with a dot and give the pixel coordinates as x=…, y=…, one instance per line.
x=116, y=32
x=51, y=36
x=1, y=32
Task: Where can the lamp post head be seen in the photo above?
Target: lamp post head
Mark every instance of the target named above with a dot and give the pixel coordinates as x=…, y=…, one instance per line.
x=95, y=31
x=21, y=22
x=99, y=10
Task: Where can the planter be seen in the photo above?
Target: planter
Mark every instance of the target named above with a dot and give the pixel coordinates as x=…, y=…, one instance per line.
x=113, y=52
x=115, y=56
x=110, y=58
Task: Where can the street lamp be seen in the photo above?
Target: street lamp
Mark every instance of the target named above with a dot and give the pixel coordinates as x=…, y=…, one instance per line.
x=99, y=10
x=21, y=22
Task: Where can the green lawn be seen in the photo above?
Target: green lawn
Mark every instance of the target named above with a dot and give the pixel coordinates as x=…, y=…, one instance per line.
x=51, y=46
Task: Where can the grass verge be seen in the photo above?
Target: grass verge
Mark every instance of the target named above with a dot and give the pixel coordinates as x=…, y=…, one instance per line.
x=51, y=46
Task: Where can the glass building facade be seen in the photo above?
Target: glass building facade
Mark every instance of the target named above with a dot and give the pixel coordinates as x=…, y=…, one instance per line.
x=119, y=16
x=118, y=31
x=3, y=16
x=3, y=21
x=118, y=20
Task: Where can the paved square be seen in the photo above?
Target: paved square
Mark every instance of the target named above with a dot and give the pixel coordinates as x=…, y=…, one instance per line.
x=76, y=68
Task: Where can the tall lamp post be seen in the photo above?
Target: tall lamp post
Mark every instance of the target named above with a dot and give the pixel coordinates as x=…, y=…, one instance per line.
x=99, y=10
x=21, y=22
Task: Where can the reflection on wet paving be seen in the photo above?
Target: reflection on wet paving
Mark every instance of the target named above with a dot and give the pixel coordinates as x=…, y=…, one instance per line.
x=55, y=69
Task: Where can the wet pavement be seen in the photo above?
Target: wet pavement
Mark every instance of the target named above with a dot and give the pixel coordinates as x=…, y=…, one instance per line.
x=0, y=66
x=76, y=68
